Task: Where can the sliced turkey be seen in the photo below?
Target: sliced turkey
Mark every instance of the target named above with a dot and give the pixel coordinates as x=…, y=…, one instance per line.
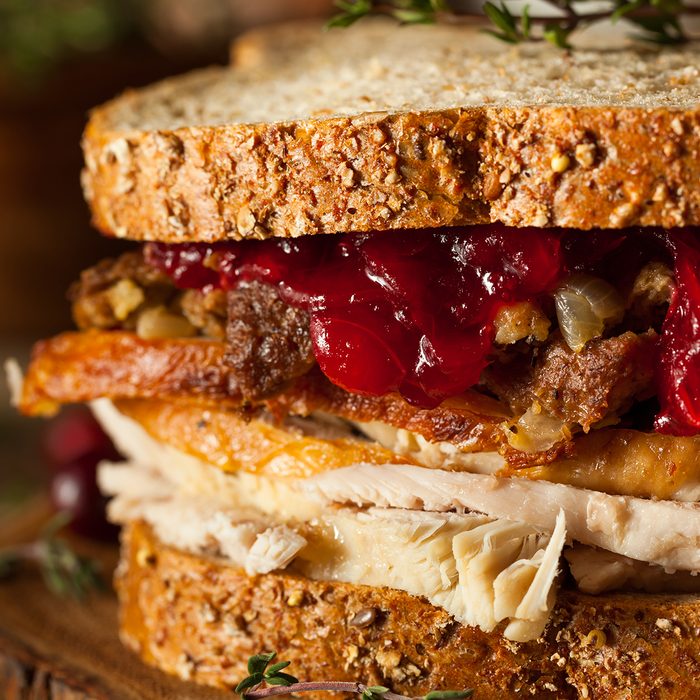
x=661, y=532
x=597, y=571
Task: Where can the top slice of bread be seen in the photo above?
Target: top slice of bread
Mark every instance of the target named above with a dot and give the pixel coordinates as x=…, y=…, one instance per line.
x=383, y=127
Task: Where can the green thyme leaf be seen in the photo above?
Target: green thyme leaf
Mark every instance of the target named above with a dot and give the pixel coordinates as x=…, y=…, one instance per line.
x=354, y=7
x=259, y=662
x=658, y=20
x=55, y=525
x=557, y=35
x=374, y=692
x=449, y=694
x=526, y=22
x=625, y=8
x=341, y=21
x=287, y=677
x=498, y=35
x=277, y=667
x=282, y=679
x=414, y=16
x=351, y=12
x=64, y=571
x=252, y=680
x=264, y=682
x=504, y=20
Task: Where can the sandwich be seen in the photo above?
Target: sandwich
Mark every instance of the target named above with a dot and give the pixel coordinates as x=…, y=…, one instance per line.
x=404, y=362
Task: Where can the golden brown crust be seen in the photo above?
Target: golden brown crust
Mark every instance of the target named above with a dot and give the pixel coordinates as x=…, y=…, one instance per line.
x=579, y=167
x=76, y=367
x=234, y=442
x=201, y=620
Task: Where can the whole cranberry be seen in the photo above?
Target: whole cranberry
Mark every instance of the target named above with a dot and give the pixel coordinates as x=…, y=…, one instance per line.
x=74, y=491
x=73, y=445
x=73, y=433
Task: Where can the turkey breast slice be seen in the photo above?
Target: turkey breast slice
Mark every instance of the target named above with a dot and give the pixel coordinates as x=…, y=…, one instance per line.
x=596, y=571
x=661, y=532
x=483, y=571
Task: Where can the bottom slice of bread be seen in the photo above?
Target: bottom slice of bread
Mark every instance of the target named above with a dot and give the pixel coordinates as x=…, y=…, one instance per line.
x=201, y=619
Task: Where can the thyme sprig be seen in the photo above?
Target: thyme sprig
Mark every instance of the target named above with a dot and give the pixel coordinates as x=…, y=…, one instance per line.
x=266, y=681
x=65, y=572
x=657, y=21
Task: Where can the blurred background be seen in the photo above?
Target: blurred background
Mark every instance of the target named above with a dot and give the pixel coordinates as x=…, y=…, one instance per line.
x=58, y=58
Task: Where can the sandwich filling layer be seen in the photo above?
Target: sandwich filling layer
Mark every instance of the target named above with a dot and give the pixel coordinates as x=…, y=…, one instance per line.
x=577, y=330
x=560, y=352
x=489, y=402
x=82, y=367
x=482, y=570
x=444, y=537
x=417, y=312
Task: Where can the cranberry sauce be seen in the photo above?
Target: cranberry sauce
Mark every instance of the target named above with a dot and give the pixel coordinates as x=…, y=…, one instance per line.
x=679, y=360
x=408, y=312
x=413, y=311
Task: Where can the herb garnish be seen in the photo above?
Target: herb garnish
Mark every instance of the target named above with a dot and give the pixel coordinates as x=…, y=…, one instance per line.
x=275, y=682
x=65, y=572
x=658, y=21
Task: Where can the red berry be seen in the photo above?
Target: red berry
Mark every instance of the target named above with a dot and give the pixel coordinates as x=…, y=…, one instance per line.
x=73, y=445
x=74, y=433
x=74, y=490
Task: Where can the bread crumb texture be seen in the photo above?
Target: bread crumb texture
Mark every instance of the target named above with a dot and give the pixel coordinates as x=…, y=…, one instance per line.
x=380, y=127
x=201, y=620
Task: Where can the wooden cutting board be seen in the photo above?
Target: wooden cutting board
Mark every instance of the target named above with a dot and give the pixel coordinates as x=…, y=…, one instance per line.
x=53, y=648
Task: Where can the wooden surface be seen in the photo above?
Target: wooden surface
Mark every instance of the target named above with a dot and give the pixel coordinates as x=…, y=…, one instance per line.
x=57, y=649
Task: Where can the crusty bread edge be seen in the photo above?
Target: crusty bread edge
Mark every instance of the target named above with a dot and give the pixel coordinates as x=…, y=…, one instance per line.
x=578, y=167
x=200, y=619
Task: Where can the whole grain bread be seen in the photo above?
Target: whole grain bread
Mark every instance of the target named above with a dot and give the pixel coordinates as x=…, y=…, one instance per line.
x=201, y=620
x=380, y=127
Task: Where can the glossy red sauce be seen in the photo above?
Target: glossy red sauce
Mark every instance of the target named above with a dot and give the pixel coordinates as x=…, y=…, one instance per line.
x=413, y=311
x=679, y=359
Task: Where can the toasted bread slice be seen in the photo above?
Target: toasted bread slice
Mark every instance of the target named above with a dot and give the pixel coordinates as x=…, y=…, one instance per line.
x=381, y=127
x=201, y=619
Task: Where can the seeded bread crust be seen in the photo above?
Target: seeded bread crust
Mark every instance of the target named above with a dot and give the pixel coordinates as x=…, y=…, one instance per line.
x=201, y=620
x=160, y=166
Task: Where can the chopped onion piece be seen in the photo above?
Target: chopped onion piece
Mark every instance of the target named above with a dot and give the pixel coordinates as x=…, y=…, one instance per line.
x=585, y=306
x=535, y=431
